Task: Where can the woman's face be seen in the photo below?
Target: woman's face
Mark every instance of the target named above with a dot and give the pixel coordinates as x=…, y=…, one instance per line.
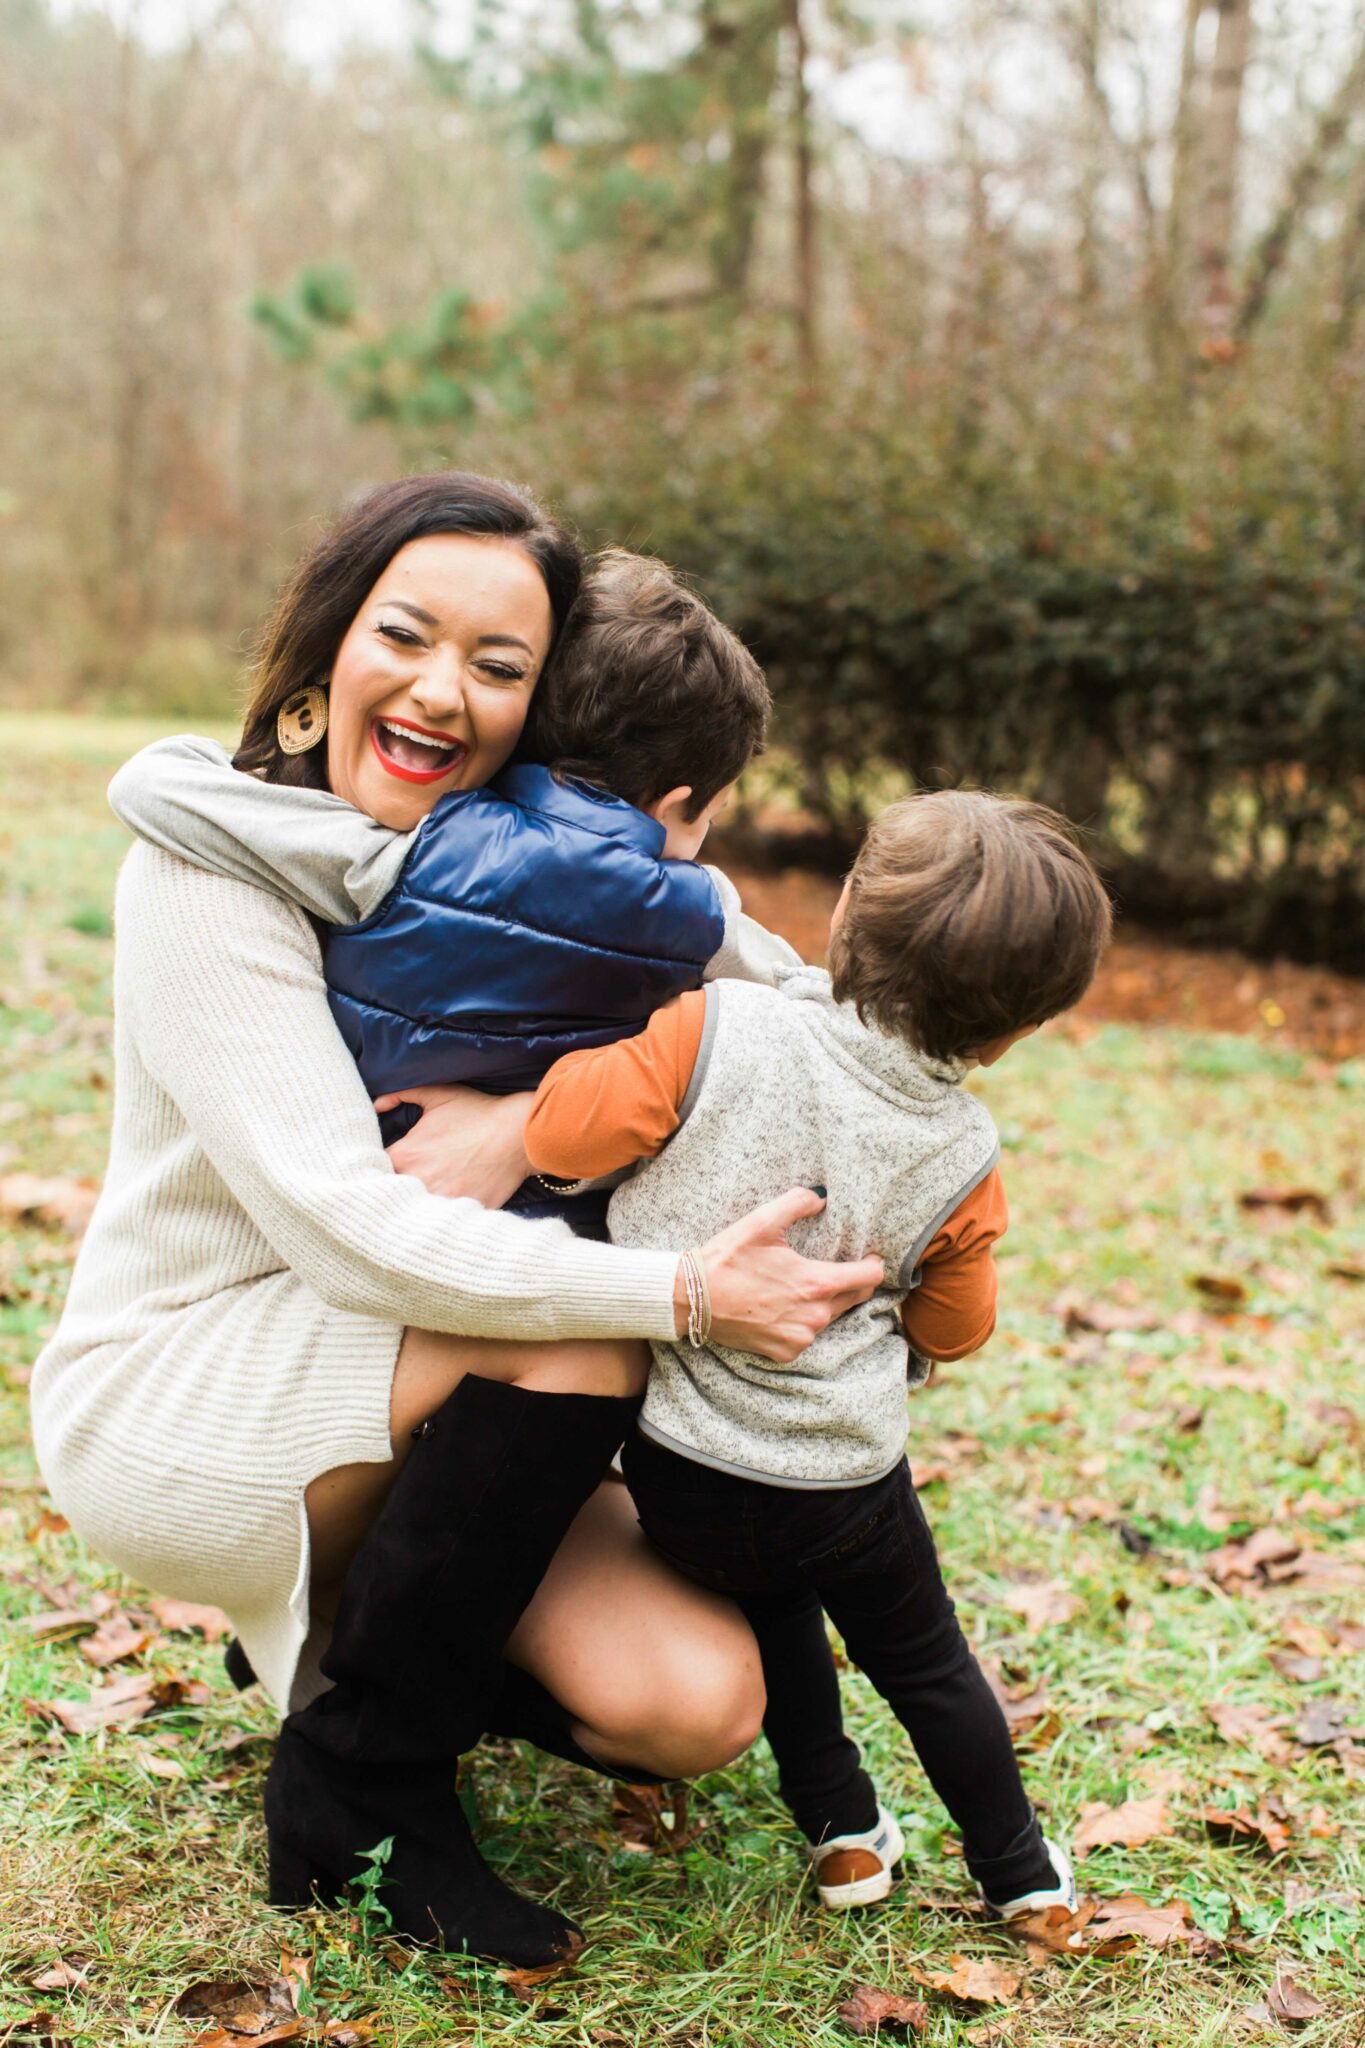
x=431, y=685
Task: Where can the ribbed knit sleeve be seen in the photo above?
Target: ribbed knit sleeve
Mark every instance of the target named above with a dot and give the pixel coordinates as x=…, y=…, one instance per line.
x=220, y=985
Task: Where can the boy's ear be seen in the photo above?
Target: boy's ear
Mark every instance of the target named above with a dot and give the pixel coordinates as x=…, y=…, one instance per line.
x=672, y=808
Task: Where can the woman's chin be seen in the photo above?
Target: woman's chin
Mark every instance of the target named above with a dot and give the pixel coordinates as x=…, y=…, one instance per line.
x=391, y=801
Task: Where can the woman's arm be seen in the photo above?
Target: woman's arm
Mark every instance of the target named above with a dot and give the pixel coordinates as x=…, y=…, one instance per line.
x=749, y=951
x=221, y=986
x=185, y=796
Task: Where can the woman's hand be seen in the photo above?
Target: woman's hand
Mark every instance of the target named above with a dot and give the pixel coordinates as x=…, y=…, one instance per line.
x=464, y=1142
x=767, y=1298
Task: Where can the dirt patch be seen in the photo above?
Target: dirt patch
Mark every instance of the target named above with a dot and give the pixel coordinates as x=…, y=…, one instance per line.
x=1143, y=979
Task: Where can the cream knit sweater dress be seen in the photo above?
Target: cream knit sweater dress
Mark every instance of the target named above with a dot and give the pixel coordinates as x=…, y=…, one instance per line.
x=239, y=1299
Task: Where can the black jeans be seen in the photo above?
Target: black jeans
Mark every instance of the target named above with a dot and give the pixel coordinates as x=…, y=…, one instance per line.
x=864, y=1556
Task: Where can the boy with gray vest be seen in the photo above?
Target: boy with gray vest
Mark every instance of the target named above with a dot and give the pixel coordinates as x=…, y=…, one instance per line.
x=966, y=922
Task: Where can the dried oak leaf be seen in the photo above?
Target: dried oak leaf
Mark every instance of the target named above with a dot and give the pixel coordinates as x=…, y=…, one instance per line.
x=113, y=1640
x=1265, y=1554
x=58, y=1621
x=1043, y=1605
x=1295, y=1666
x=866, y=2010
x=1322, y=1724
x=974, y=1983
x=1126, y=1827
x=244, y=2007
x=1104, y=1318
x=644, y=1823
x=1293, y=1200
x=1270, y=1827
x=123, y=1699
x=524, y=1984
x=1291, y=2004
x=60, y=1976
x=1255, y=1727
x=1223, y=1292
x=187, y=1617
x=48, y=1199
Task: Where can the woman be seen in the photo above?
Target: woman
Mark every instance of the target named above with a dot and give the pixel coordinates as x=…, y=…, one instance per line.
x=281, y=1336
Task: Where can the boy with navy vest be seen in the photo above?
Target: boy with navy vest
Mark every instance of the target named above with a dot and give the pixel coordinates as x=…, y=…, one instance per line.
x=966, y=922
x=552, y=910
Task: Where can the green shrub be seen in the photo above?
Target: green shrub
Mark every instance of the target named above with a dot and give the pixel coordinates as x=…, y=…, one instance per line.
x=1187, y=682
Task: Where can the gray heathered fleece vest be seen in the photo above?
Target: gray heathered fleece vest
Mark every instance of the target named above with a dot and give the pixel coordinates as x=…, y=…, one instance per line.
x=790, y=1089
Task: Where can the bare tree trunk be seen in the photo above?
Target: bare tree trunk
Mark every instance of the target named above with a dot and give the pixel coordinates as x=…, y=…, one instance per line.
x=128, y=587
x=1221, y=153
x=807, y=338
x=1089, y=35
x=1268, y=257
x=1184, y=166
x=741, y=45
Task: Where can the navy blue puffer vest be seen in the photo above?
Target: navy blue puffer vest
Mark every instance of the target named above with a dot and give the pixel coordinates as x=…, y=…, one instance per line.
x=531, y=917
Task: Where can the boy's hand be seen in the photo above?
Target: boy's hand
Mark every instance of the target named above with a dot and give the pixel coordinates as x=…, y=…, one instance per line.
x=765, y=1297
x=464, y=1143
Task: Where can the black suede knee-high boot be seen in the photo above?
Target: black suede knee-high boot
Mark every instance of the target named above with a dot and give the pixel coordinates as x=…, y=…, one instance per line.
x=469, y=1528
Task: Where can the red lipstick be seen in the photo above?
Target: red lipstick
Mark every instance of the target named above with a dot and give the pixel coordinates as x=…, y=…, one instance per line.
x=395, y=768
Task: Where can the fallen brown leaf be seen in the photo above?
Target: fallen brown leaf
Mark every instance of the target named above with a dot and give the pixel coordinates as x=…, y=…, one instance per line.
x=975, y=1983
x=1104, y=1318
x=1222, y=1291
x=115, y=1639
x=348, y=2033
x=1043, y=1605
x=252, y=2006
x=1293, y=1200
x=1265, y=1554
x=1030, y=1720
x=59, y=1621
x=1292, y=1664
x=1346, y=1269
x=646, y=1822
x=60, y=1976
x=866, y=2010
x=1127, y=1826
x=1270, y=1827
x=49, y=1523
x=1291, y=2004
x=49, y=1199
x=123, y=1699
x=1254, y=1726
x=233, y=2037
x=1104, y=1928
x=524, y=1984
x=1323, y=1724
x=186, y=1617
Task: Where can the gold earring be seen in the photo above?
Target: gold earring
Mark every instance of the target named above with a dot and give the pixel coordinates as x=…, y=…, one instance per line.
x=302, y=720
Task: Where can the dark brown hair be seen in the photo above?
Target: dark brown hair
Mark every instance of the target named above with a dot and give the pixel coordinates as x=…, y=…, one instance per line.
x=313, y=612
x=648, y=690
x=969, y=916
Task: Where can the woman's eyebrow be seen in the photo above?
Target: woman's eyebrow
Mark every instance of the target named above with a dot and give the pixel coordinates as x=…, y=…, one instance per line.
x=504, y=640
x=414, y=610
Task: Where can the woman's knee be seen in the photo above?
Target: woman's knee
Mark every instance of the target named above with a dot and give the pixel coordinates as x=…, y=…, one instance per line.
x=600, y=1365
x=685, y=1715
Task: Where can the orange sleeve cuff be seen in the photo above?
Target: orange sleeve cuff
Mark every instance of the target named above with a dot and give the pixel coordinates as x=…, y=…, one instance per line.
x=952, y=1311
x=609, y=1105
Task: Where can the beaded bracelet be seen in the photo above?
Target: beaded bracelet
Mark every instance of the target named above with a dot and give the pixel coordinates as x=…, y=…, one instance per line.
x=698, y=1298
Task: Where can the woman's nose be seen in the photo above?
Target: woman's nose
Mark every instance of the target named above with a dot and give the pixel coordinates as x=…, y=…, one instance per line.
x=439, y=688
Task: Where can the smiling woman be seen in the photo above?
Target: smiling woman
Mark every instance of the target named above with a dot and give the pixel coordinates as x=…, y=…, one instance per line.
x=432, y=683
x=293, y=1334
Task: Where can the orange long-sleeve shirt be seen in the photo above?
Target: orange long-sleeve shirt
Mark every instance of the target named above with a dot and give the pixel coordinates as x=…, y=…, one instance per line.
x=610, y=1105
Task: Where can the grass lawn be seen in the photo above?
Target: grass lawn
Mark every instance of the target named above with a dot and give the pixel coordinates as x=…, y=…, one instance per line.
x=1091, y=1478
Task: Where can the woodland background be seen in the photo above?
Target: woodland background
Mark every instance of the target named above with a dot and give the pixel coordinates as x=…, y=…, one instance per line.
x=995, y=366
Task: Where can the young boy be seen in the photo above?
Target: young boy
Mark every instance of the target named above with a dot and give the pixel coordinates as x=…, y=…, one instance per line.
x=966, y=922
x=556, y=908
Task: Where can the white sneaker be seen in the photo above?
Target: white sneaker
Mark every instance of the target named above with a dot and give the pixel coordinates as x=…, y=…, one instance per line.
x=855, y=1870
x=1063, y=1893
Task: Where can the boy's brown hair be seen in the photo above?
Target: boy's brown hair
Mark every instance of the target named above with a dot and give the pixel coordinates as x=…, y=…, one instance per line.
x=969, y=916
x=647, y=689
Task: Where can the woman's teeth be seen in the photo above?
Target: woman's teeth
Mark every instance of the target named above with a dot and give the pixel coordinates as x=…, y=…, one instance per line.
x=415, y=751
